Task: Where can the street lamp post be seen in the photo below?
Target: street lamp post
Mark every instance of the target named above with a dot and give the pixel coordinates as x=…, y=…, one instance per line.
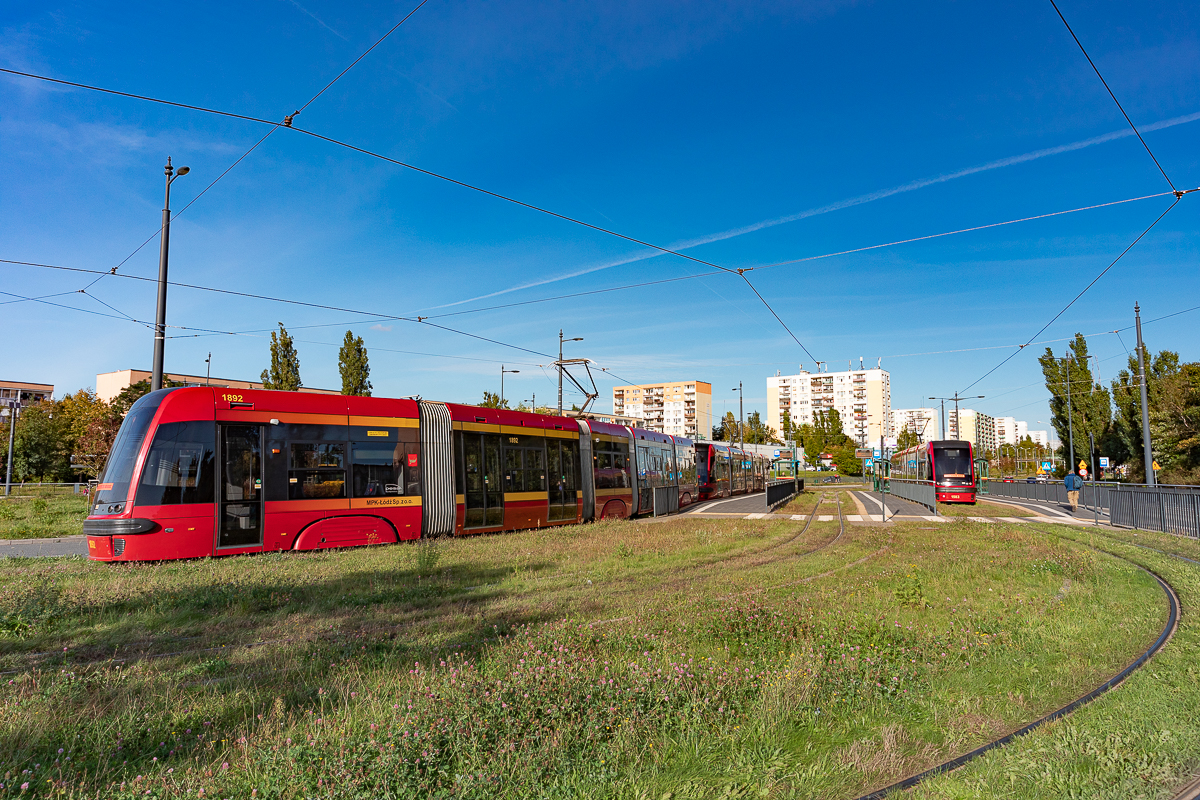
x=955, y=398
x=502, y=371
x=560, y=366
x=1070, y=421
x=741, y=421
x=160, y=318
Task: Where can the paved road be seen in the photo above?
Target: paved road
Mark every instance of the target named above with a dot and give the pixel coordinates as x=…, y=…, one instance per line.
x=741, y=505
x=33, y=548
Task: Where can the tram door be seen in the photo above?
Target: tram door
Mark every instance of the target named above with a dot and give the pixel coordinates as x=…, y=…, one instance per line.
x=484, y=481
x=241, y=501
x=563, y=474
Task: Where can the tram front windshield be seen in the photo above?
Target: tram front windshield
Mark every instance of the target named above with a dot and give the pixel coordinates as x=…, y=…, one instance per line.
x=118, y=470
x=952, y=464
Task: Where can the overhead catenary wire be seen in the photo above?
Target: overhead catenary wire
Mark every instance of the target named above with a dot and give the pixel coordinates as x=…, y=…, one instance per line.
x=285, y=122
x=1113, y=96
x=1082, y=292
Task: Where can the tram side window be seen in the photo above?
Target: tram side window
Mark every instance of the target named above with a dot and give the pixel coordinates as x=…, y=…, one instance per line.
x=383, y=470
x=179, y=467
x=316, y=470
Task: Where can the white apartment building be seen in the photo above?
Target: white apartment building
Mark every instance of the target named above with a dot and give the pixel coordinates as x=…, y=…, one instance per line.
x=975, y=427
x=1040, y=438
x=1010, y=430
x=681, y=408
x=925, y=422
x=862, y=397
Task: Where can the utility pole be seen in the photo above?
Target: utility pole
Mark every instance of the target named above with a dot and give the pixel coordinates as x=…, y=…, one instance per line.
x=12, y=427
x=1070, y=423
x=160, y=318
x=1095, y=496
x=955, y=398
x=1148, y=453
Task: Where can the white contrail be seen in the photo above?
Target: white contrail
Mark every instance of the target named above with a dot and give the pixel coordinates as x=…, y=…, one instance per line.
x=838, y=206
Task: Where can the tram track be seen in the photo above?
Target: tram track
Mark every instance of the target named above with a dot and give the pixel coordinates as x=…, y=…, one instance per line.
x=1165, y=636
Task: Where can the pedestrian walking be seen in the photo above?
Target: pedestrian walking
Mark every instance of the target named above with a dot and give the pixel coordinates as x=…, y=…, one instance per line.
x=1073, y=483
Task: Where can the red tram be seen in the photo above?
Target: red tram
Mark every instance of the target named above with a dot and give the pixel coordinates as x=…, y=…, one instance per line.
x=200, y=471
x=949, y=465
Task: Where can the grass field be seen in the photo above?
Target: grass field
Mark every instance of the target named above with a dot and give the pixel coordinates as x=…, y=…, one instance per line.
x=696, y=658
x=982, y=508
x=42, y=516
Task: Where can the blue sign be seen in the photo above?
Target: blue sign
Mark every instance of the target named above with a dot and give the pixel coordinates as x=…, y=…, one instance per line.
x=877, y=453
x=869, y=463
x=1103, y=462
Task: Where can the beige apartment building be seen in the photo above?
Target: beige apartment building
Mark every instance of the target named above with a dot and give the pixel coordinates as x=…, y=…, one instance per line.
x=925, y=422
x=975, y=427
x=862, y=397
x=110, y=384
x=682, y=408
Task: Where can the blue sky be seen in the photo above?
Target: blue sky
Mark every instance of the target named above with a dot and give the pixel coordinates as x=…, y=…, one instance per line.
x=749, y=135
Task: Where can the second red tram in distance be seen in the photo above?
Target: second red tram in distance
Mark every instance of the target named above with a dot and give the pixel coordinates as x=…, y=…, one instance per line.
x=948, y=465
x=202, y=471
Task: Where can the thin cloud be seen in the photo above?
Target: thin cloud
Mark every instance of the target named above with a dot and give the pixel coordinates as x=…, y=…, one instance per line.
x=384, y=328
x=320, y=21
x=861, y=199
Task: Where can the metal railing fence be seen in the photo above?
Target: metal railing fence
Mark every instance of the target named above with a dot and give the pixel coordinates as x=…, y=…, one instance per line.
x=919, y=492
x=1152, y=508
x=780, y=491
x=1093, y=494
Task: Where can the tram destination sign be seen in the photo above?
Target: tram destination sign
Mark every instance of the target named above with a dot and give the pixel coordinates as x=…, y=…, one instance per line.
x=864, y=452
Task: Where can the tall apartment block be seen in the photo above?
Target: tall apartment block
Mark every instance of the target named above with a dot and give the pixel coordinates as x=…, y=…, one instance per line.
x=682, y=408
x=862, y=397
x=1010, y=430
x=925, y=422
x=976, y=427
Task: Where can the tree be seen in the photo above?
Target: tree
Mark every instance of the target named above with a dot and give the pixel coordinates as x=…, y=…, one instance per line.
x=786, y=429
x=907, y=438
x=352, y=364
x=40, y=450
x=285, y=363
x=729, y=427
x=845, y=460
x=1091, y=408
x=1123, y=442
x=759, y=433
x=94, y=445
x=1175, y=426
x=823, y=435
x=133, y=392
x=491, y=400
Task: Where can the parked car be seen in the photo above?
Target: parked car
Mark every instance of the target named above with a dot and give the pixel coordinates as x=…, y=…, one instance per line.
x=1008, y=479
x=1031, y=479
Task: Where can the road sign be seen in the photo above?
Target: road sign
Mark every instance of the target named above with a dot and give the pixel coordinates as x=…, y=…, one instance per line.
x=862, y=452
x=870, y=463
x=784, y=454
x=877, y=453
x=1103, y=462
x=1047, y=466
x=1083, y=465
x=1154, y=465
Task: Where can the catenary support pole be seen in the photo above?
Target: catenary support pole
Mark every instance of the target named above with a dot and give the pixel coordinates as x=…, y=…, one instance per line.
x=1148, y=452
x=160, y=316
x=1070, y=420
x=12, y=427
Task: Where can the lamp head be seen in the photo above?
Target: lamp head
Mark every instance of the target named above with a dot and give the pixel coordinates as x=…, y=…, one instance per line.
x=183, y=171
